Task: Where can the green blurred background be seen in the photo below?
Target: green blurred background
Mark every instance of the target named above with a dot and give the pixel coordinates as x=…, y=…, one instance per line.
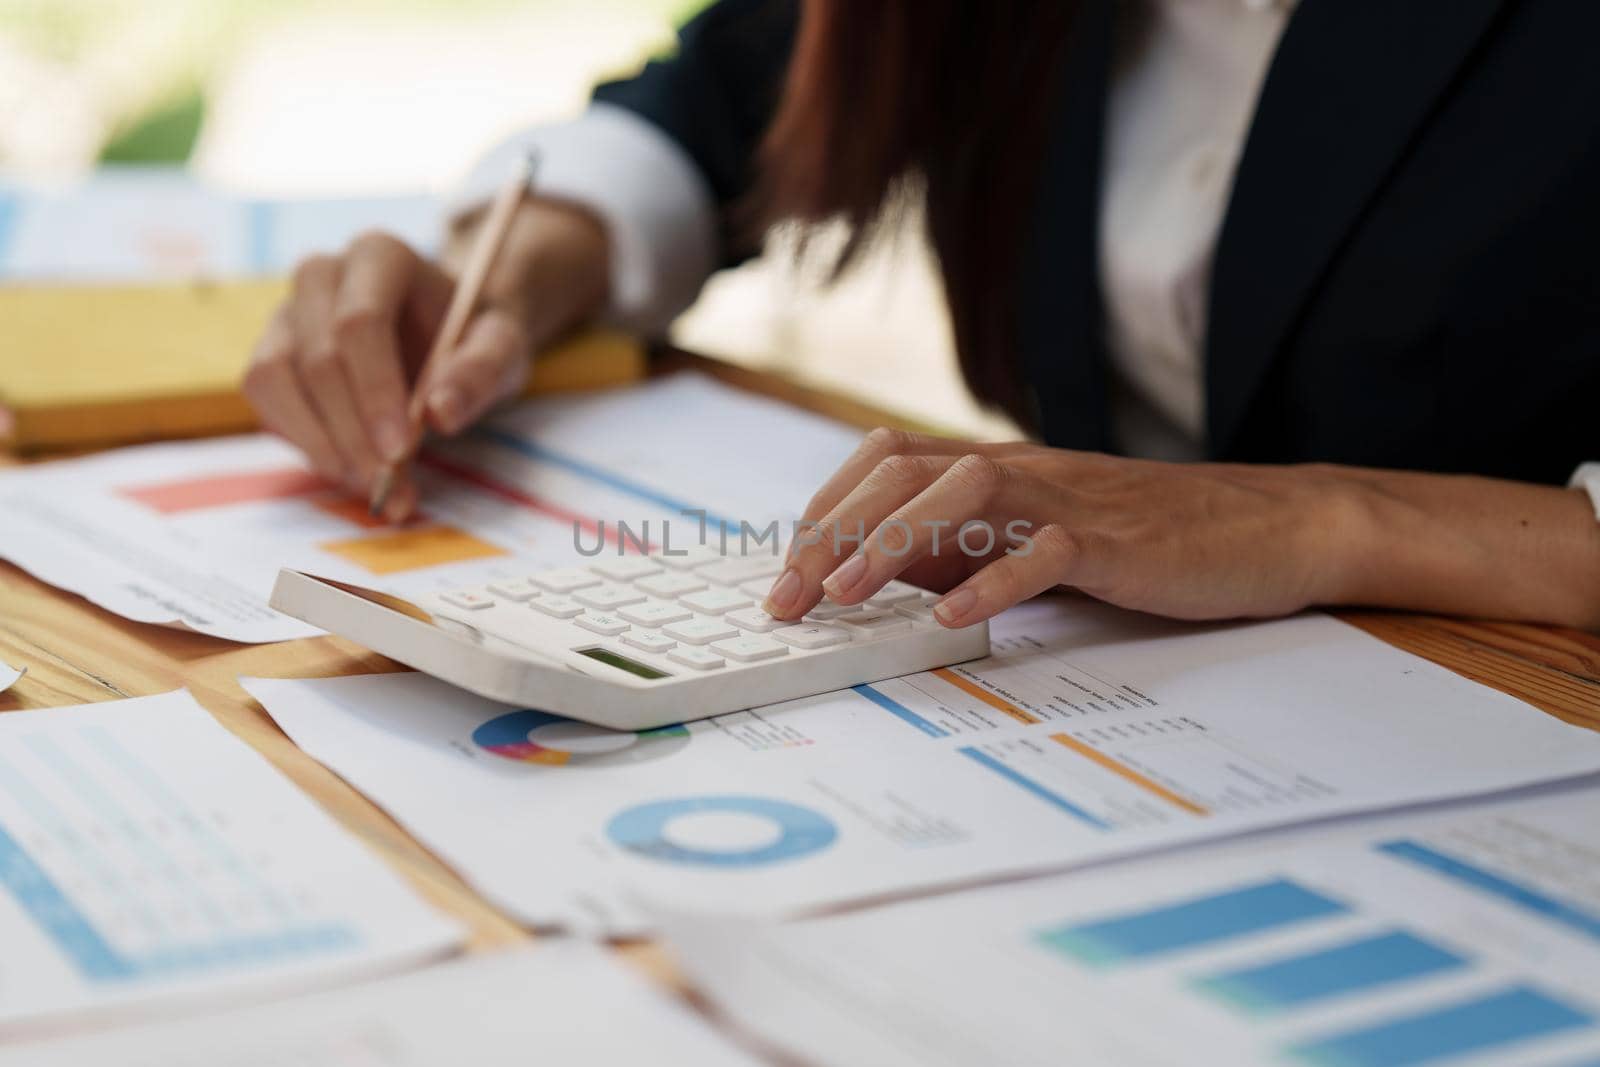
x=286, y=98
x=139, y=80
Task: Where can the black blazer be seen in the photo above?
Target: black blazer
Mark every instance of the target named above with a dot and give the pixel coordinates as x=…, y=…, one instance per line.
x=1408, y=273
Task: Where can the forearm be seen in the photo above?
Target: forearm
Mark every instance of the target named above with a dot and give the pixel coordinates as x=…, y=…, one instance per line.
x=1470, y=546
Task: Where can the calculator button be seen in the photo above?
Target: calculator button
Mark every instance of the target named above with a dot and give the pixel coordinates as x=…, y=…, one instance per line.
x=565, y=580
x=715, y=601
x=700, y=631
x=827, y=610
x=626, y=568
x=649, y=642
x=734, y=571
x=814, y=635
x=873, y=623
x=608, y=596
x=655, y=613
x=753, y=619
x=670, y=585
x=470, y=599
x=692, y=556
x=750, y=648
x=895, y=592
x=559, y=607
x=920, y=614
x=598, y=623
x=517, y=590
x=698, y=658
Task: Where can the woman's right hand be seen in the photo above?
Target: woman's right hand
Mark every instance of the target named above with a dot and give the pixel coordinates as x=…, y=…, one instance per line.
x=335, y=370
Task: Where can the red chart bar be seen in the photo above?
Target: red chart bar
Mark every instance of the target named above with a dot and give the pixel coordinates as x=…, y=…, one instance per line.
x=220, y=490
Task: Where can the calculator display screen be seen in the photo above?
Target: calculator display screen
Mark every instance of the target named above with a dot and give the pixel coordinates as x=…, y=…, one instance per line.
x=622, y=663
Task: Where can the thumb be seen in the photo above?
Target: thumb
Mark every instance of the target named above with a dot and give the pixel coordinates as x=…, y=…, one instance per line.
x=490, y=364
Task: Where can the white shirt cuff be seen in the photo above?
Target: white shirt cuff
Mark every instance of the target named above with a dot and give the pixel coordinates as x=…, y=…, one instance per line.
x=658, y=211
x=1587, y=478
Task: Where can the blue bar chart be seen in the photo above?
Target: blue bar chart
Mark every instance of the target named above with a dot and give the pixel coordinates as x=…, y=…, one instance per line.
x=1373, y=960
x=1469, y=1026
x=1361, y=965
x=1192, y=923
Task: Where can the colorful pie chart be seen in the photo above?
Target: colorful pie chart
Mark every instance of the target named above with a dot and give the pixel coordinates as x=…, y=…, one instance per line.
x=530, y=736
x=722, y=831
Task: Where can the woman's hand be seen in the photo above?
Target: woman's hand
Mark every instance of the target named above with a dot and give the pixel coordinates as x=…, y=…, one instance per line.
x=1191, y=541
x=336, y=367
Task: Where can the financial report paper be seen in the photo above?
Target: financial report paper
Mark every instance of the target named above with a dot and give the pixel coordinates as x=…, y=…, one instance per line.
x=159, y=224
x=10, y=676
x=565, y=1003
x=1467, y=937
x=193, y=534
x=1088, y=733
x=147, y=856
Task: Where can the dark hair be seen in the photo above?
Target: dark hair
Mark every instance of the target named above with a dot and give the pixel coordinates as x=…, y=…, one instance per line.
x=949, y=98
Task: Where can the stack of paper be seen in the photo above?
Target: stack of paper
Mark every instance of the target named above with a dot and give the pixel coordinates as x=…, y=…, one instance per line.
x=194, y=534
x=1090, y=733
x=1470, y=937
x=561, y=1003
x=147, y=855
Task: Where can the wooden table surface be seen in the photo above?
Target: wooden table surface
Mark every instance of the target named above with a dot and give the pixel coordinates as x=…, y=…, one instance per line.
x=76, y=653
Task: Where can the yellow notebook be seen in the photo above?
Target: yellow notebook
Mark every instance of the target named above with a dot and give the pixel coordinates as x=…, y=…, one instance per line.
x=100, y=365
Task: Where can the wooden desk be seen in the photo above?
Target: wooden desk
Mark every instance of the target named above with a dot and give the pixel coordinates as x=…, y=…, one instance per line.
x=75, y=653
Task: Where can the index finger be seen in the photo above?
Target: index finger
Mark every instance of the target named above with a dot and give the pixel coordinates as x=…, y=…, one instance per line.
x=878, y=446
x=377, y=276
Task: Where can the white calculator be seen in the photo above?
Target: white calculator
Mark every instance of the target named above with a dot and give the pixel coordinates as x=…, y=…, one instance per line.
x=636, y=642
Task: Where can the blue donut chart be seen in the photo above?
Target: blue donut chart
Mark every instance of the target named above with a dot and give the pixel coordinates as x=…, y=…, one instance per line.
x=642, y=830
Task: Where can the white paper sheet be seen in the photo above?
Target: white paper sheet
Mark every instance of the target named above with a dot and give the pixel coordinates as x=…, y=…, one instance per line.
x=1090, y=733
x=561, y=1003
x=1465, y=937
x=10, y=676
x=151, y=224
x=148, y=855
x=193, y=534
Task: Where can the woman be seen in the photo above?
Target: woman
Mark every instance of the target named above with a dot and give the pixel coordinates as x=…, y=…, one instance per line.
x=1299, y=299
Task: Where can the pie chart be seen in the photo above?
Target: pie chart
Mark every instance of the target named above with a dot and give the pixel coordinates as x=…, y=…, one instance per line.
x=531, y=736
x=722, y=831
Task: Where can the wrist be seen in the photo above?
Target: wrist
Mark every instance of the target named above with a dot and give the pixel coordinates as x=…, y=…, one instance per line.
x=1463, y=545
x=1349, y=529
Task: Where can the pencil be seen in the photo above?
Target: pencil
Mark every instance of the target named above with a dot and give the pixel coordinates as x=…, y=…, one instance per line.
x=465, y=301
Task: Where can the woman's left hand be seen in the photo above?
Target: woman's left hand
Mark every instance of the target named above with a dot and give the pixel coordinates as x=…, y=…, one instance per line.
x=997, y=524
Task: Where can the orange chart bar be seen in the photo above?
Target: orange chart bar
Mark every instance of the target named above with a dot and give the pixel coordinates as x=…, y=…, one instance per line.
x=1130, y=774
x=411, y=549
x=967, y=685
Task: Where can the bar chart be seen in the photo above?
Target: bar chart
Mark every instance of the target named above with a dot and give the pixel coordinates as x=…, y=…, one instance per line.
x=1377, y=957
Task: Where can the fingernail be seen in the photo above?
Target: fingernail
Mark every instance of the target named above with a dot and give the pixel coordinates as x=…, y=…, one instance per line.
x=847, y=577
x=955, y=606
x=391, y=440
x=785, y=591
x=446, y=404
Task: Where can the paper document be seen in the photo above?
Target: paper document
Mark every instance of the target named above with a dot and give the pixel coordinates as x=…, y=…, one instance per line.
x=139, y=224
x=147, y=853
x=1089, y=733
x=10, y=676
x=1467, y=937
x=194, y=534
x=562, y=1003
